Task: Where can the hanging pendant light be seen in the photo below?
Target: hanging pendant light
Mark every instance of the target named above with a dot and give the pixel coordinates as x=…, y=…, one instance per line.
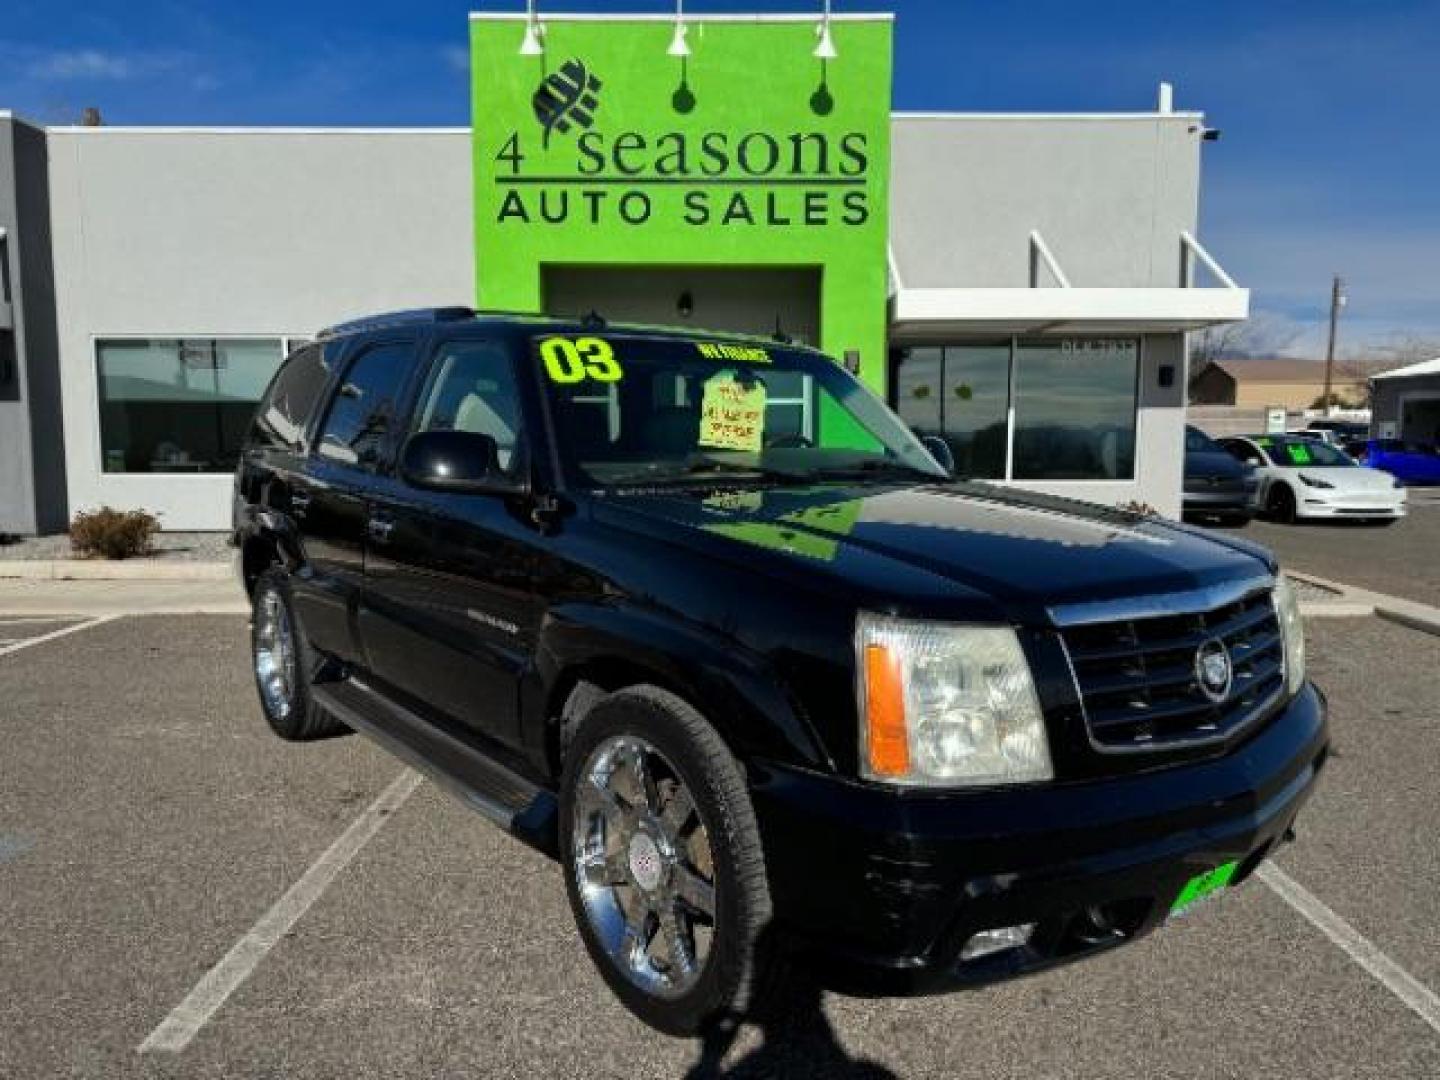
x=678, y=45
x=825, y=47
x=533, y=43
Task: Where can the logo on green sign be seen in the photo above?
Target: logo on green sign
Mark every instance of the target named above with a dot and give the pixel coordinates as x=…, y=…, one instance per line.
x=565, y=99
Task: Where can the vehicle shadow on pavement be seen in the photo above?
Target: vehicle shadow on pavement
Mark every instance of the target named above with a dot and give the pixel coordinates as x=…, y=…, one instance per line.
x=798, y=1041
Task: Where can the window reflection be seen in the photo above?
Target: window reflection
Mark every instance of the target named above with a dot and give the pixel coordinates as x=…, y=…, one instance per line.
x=1075, y=402
x=180, y=405
x=962, y=394
x=1075, y=409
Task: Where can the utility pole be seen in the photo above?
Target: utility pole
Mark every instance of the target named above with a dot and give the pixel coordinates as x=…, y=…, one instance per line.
x=1337, y=301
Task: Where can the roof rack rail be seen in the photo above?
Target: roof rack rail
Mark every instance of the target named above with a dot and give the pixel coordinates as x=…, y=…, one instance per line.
x=408, y=317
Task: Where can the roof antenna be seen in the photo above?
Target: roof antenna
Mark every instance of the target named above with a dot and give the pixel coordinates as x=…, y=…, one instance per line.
x=780, y=335
x=593, y=321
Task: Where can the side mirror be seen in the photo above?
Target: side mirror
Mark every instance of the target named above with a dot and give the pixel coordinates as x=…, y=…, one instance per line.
x=940, y=451
x=463, y=462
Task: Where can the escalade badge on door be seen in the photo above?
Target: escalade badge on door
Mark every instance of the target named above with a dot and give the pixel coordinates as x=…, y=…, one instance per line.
x=1213, y=670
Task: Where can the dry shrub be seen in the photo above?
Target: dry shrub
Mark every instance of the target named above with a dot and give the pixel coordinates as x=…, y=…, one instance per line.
x=113, y=534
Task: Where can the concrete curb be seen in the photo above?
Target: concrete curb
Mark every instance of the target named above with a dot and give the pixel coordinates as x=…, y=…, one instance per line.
x=1406, y=613
x=142, y=569
x=1336, y=609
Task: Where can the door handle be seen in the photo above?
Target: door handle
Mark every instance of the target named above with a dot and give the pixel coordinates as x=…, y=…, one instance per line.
x=380, y=529
x=299, y=503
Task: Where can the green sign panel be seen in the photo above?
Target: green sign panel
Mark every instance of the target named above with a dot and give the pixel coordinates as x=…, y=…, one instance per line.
x=606, y=151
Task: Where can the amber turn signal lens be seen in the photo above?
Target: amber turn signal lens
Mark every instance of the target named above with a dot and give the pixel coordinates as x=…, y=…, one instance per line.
x=886, y=744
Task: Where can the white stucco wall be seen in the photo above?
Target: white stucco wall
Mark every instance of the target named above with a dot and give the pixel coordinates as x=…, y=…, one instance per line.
x=172, y=233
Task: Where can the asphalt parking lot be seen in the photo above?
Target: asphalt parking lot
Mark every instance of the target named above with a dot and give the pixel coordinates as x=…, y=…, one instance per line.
x=149, y=822
x=1398, y=559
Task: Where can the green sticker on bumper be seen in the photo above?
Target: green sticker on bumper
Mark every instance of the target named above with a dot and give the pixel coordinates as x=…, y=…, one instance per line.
x=1202, y=885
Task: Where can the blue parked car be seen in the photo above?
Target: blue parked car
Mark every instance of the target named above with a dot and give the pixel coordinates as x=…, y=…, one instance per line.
x=1410, y=463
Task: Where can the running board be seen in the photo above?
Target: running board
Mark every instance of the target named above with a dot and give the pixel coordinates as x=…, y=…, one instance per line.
x=524, y=809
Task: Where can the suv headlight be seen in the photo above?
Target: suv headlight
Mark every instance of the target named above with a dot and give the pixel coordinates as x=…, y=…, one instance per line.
x=1292, y=633
x=1315, y=482
x=943, y=705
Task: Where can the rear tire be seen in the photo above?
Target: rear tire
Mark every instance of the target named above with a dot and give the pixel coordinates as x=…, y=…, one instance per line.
x=633, y=839
x=285, y=664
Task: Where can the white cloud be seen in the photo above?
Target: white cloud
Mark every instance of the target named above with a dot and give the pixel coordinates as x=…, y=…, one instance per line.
x=80, y=64
x=458, y=57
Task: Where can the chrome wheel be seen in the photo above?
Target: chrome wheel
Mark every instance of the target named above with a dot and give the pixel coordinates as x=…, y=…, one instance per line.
x=275, y=654
x=643, y=866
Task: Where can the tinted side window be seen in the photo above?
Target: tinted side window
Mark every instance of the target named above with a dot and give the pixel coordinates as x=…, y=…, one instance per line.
x=363, y=410
x=1239, y=451
x=280, y=418
x=471, y=387
x=1197, y=442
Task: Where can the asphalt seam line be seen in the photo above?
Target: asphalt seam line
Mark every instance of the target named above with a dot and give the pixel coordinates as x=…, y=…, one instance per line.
x=1410, y=990
x=185, y=1021
x=25, y=643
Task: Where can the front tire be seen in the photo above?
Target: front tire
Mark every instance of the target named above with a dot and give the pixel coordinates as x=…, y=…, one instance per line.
x=1281, y=504
x=284, y=664
x=664, y=867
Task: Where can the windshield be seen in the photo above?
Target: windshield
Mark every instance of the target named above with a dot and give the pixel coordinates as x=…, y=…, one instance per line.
x=1295, y=452
x=638, y=410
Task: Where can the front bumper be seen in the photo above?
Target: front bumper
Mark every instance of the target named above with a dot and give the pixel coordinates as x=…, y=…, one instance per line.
x=1311, y=505
x=881, y=889
x=1222, y=501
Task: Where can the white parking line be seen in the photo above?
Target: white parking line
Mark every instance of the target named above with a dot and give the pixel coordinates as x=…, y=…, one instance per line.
x=1419, y=997
x=211, y=992
x=25, y=643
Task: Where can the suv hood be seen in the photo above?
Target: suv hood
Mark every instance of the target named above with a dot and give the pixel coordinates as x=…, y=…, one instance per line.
x=1022, y=549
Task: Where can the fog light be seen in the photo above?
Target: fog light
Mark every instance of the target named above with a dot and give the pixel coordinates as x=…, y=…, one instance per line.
x=988, y=942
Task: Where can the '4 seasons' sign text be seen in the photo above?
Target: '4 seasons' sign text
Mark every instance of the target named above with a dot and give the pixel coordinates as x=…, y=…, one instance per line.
x=808, y=178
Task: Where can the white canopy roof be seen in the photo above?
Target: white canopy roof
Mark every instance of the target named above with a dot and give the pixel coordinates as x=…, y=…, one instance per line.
x=1425, y=367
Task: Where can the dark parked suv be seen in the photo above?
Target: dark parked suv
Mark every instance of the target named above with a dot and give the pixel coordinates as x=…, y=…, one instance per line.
x=1217, y=486
x=700, y=617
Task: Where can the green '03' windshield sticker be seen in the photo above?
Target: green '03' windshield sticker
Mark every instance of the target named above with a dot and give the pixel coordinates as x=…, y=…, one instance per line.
x=573, y=360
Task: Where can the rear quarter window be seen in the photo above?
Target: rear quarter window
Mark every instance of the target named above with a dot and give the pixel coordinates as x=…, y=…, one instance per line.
x=291, y=399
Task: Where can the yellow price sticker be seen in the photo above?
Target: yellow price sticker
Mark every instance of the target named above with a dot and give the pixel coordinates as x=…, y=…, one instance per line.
x=573, y=360
x=732, y=414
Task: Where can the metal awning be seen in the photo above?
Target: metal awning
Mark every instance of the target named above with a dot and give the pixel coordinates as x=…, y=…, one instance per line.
x=1064, y=308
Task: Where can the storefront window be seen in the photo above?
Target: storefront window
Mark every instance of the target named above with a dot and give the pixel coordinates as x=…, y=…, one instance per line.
x=1074, y=406
x=1075, y=409
x=962, y=394
x=180, y=405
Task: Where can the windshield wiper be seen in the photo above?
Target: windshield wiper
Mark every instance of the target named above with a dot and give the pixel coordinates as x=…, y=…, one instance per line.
x=697, y=471
x=874, y=466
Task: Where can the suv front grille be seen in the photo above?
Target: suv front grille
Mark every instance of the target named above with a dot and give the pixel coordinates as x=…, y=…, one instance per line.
x=1138, y=682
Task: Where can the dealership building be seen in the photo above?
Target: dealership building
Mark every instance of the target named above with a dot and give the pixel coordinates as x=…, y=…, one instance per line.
x=1021, y=284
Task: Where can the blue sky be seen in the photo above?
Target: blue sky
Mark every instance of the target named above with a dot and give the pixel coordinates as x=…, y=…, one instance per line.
x=1329, y=161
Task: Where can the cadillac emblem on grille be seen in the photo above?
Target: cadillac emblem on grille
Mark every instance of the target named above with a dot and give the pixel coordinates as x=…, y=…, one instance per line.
x=1213, y=670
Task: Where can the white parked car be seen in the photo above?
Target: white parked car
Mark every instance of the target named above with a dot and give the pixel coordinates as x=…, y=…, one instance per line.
x=1307, y=478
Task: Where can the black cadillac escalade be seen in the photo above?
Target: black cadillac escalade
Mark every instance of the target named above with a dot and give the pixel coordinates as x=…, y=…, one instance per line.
x=697, y=615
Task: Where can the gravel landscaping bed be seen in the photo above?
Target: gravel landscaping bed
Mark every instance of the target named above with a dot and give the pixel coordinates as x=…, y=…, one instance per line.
x=1305, y=590
x=169, y=546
